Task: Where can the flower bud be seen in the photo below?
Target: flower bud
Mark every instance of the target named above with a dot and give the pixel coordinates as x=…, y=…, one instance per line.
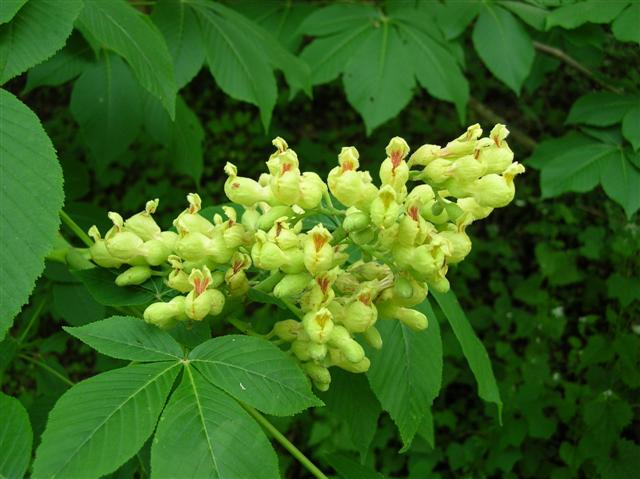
x=243, y=191
x=424, y=155
x=355, y=220
x=169, y=239
x=385, y=209
x=285, y=186
x=292, y=285
x=342, y=340
x=295, y=261
x=394, y=170
x=464, y=144
x=235, y=277
x=434, y=212
x=496, y=191
x=467, y=169
x=438, y=171
x=318, y=252
x=193, y=246
x=165, y=315
x=198, y=306
x=143, y=224
x=191, y=221
x=266, y=254
x=361, y=314
x=409, y=317
x=273, y=214
x=320, y=291
x=319, y=375
x=373, y=338
x=306, y=350
x=471, y=206
x=318, y=325
x=124, y=245
x=497, y=156
x=337, y=358
x=155, y=252
x=287, y=330
x=250, y=219
x=179, y=280
x=99, y=253
x=311, y=190
x=134, y=275
x=363, y=237
x=460, y=245
x=440, y=284
x=283, y=236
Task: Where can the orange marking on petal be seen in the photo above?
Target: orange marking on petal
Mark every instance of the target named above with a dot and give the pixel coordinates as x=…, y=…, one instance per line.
x=319, y=241
x=413, y=213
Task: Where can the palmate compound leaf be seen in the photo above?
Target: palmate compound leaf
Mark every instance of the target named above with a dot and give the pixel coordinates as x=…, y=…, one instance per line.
x=472, y=348
x=15, y=437
x=98, y=424
x=504, y=46
x=31, y=196
x=128, y=338
x=121, y=28
x=406, y=374
x=256, y=372
x=38, y=30
x=203, y=433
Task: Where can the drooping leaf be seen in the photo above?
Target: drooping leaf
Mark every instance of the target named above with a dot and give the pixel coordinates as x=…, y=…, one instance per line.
x=31, y=197
x=472, y=348
x=65, y=65
x=625, y=27
x=575, y=14
x=179, y=27
x=426, y=430
x=359, y=415
x=73, y=302
x=101, y=284
x=621, y=181
x=106, y=103
x=237, y=63
x=436, y=69
x=211, y=434
x=256, y=372
x=8, y=9
x=120, y=27
x=631, y=126
x=98, y=424
x=504, y=46
x=531, y=14
x=187, y=137
x=128, y=338
x=601, y=109
x=38, y=30
x=16, y=437
x=335, y=19
x=454, y=17
x=406, y=374
x=379, y=79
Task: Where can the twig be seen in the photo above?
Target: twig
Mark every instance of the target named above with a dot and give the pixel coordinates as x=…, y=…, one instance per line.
x=572, y=62
x=48, y=368
x=73, y=226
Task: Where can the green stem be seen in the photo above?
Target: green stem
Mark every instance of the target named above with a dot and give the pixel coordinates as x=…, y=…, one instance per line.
x=242, y=326
x=32, y=319
x=267, y=284
x=292, y=308
x=73, y=226
x=278, y=436
x=47, y=368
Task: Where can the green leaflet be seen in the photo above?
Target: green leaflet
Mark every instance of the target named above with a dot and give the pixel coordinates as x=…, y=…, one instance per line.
x=128, y=338
x=210, y=434
x=504, y=46
x=593, y=11
x=122, y=29
x=16, y=437
x=31, y=196
x=472, y=348
x=8, y=9
x=625, y=27
x=106, y=103
x=631, y=126
x=256, y=372
x=601, y=109
x=406, y=374
x=39, y=29
x=98, y=424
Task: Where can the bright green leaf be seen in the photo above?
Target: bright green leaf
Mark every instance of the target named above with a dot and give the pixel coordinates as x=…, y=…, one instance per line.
x=8, y=9
x=118, y=26
x=106, y=101
x=529, y=13
x=65, y=65
x=621, y=181
x=504, y=46
x=98, y=424
x=205, y=433
x=16, y=438
x=179, y=26
x=601, y=109
x=625, y=27
x=453, y=17
x=406, y=374
x=237, y=63
x=340, y=18
x=379, y=79
x=436, y=69
x=631, y=126
x=359, y=416
x=593, y=11
x=472, y=348
x=31, y=197
x=128, y=338
x=38, y=30
x=256, y=372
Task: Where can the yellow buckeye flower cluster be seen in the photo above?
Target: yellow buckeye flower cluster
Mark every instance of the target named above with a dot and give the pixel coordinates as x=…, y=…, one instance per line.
x=374, y=259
